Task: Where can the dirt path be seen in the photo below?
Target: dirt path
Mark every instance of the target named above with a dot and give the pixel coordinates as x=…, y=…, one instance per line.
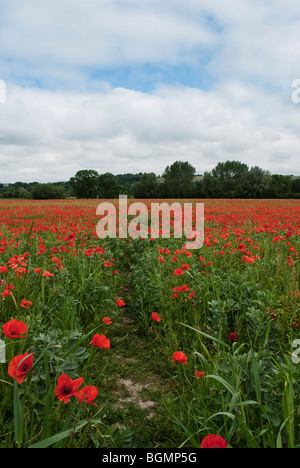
x=137, y=392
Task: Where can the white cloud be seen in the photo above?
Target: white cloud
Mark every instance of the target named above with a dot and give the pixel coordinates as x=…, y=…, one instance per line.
x=74, y=34
x=119, y=130
x=71, y=117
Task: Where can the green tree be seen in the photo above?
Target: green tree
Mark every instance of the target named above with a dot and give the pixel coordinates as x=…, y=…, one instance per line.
x=147, y=187
x=211, y=186
x=179, y=180
x=295, y=186
x=85, y=184
x=280, y=186
x=108, y=186
x=230, y=174
x=255, y=183
x=46, y=192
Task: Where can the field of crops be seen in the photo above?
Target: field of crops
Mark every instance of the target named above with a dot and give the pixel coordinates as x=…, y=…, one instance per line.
x=113, y=343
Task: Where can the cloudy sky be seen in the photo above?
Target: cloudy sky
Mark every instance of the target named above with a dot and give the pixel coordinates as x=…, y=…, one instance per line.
x=134, y=85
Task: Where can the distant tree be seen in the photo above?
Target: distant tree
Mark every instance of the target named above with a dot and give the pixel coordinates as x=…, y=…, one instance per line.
x=65, y=187
x=295, y=186
x=46, y=192
x=230, y=174
x=23, y=193
x=10, y=192
x=179, y=180
x=128, y=179
x=85, y=184
x=148, y=187
x=211, y=186
x=108, y=186
x=280, y=187
x=255, y=183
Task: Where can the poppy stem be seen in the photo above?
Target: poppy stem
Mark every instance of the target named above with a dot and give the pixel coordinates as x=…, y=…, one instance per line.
x=17, y=308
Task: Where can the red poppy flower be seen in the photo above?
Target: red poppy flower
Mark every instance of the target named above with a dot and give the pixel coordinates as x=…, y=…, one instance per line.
x=66, y=387
x=100, y=341
x=25, y=304
x=14, y=329
x=248, y=259
x=233, y=336
x=199, y=374
x=192, y=294
x=107, y=321
x=120, y=303
x=161, y=260
x=214, y=441
x=88, y=394
x=178, y=272
x=19, y=366
x=47, y=274
x=155, y=317
x=179, y=357
x=271, y=314
x=6, y=292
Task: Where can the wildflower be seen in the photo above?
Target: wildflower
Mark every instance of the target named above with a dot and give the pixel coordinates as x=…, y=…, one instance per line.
x=7, y=290
x=179, y=357
x=199, y=374
x=19, y=366
x=107, y=321
x=271, y=314
x=25, y=304
x=214, y=441
x=66, y=387
x=183, y=288
x=161, y=260
x=20, y=271
x=47, y=274
x=178, y=272
x=14, y=329
x=155, y=317
x=120, y=303
x=88, y=394
x=100, y=341
x=233, y=336
x=248, y=259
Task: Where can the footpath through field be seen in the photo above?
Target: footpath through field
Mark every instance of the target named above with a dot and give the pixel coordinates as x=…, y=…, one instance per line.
x=137, y=392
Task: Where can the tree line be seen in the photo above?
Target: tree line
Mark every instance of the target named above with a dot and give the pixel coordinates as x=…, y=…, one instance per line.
x=230, y=179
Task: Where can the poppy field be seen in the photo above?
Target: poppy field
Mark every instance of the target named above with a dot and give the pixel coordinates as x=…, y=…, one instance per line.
x=112, y=343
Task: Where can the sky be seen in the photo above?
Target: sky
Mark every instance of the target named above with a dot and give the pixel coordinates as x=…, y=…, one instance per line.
x=129, y=86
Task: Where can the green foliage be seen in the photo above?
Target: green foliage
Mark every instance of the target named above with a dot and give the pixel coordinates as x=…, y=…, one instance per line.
x=85, y=184
x=147, y=187
x=230, y=179
x=179, y=180
x=46, y=192
x=108, y=186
